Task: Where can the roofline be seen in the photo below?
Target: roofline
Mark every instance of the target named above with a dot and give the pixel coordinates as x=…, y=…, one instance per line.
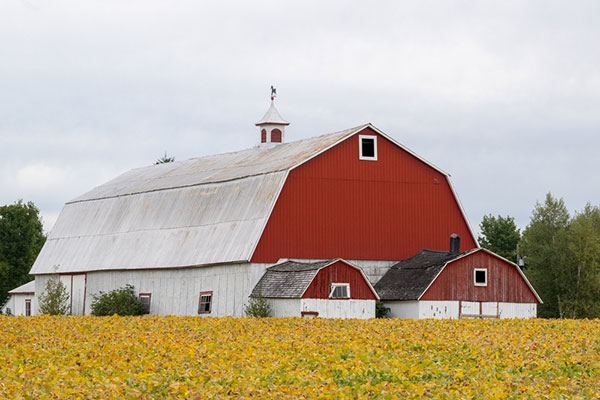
x=21, y=292
x=462, y=210
x=349, y=264
x=473, y=251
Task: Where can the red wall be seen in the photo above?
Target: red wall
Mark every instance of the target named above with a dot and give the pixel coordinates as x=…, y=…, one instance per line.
x=337, y=206
x=339, y=272
x=456, y=282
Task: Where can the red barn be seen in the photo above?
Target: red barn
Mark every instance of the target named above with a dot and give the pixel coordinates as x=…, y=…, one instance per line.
x=195, y=236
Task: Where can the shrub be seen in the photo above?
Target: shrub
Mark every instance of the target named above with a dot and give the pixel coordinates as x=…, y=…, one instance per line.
x=55, y=299
x=381, y=311
x=122, y=301
x=258, y=307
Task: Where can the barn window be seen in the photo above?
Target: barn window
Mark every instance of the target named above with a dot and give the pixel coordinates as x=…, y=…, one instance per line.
x=339, y=291
x=367, y=147
x=28, y=307
x=205, y=303
x=480, y=276
x=145, y=299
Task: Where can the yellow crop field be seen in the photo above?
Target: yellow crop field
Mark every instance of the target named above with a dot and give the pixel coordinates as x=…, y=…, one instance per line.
x=189, y=357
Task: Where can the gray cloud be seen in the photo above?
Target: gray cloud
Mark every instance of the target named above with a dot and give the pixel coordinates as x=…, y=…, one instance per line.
x=502, y=95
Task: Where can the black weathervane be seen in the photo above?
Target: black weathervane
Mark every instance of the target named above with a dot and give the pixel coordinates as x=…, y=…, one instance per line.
x=273, y=92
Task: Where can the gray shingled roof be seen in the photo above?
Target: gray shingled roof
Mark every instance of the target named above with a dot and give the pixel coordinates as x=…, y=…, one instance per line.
x=408, y=279
x=288, y=280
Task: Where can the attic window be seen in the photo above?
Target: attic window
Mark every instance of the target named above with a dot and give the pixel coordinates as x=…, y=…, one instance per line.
x=367, y=147
x=339, y=291
x=145, y=299
x=480, y=276
x=205, y=303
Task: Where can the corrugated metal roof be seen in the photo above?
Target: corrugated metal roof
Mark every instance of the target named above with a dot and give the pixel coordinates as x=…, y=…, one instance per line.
x=196, y=212
x=28, y=288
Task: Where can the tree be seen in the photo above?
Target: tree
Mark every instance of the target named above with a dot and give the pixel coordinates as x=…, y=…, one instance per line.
x=258, y=307
x=164, y=159
x=55, y=299
x=542, y=246
x=500, y=235
x=121, y=301
x=21, y=239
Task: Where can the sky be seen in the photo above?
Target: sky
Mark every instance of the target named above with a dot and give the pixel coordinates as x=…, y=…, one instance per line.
x=502, y=95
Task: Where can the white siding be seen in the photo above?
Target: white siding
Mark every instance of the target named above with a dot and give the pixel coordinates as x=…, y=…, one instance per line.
x=517, y=310
x=177, y=291
x=16, y=303
x=469, y=308
x=489, y=309
x=351, y=308
x=438, y=309
x=285, y=307
x=423, y=309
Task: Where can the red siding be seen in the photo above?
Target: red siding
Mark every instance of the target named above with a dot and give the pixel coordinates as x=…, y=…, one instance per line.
x=339, y=272
x=456, y=282
x=337, y=206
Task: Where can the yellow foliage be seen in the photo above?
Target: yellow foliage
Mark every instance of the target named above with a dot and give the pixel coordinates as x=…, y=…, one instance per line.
x=247, y=358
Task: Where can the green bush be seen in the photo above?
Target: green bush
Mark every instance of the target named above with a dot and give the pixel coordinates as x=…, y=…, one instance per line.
x=55, y=299
x=381, y=311
x=122, y=301
x=258, y=307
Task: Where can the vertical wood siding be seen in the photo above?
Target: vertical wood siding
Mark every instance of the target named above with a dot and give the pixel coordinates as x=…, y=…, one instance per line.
x=339, y=272
x=336, y=205
x=456, y=282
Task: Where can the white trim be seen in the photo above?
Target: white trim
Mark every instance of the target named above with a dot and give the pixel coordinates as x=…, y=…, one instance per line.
x=360, y=147
x=473, y=251
x=335, y=285
x=349, y=264
x=462, y=210
x=475, y=270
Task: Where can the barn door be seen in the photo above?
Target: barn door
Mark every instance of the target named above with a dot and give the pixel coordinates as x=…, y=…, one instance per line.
x=75, y=285
x=478, y=309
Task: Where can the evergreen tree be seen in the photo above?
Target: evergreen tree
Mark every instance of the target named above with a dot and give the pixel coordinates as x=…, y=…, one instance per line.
x=55, y=299
x=500, y=235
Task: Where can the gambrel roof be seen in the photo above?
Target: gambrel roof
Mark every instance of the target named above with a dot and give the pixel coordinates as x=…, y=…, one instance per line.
x=203, y=211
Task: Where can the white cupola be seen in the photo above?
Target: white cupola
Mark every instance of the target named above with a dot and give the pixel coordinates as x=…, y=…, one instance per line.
x=272, y=125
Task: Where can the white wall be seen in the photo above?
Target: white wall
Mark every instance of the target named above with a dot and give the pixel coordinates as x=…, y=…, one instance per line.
x=351, y=308
x=403, y=309
x=285, y=307
x=423, y=309
x=517, y=310
x=177, y=291
x=16, y=303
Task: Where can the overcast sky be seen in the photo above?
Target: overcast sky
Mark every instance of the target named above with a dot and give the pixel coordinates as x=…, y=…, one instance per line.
x=505, y=95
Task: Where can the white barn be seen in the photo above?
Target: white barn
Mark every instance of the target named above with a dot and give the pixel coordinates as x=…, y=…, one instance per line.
x=21, y=301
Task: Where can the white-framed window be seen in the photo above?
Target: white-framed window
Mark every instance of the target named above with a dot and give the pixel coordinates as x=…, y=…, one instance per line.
x=27, y=307
x=339, y=291
x=145, y=299
x=367, y=147
x=480, y=277
x=205, y=303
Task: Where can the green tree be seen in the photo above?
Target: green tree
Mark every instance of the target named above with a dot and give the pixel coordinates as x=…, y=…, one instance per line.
x=164, y=159
x=543, y=249
x=121, y=301
x=55, y=299
x=258, y=306
x=21, y=239
x=500, y=235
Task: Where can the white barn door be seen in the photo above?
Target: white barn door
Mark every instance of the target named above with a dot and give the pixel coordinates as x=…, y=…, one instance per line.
x=75, y=285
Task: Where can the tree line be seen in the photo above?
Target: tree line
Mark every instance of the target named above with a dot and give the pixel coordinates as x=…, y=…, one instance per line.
x=559, y=254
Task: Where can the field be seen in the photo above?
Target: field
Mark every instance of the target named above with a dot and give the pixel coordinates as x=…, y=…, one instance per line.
x=188, y=357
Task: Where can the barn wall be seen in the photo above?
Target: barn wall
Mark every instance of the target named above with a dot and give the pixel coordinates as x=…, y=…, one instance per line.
x=373, y=269
x=339, y=272
x=327, y=308
x=285, y=307
x=177, y=291
x=16, y=303
x=336, y=205
x=423, y=309
x=456, y=282
x=517, y=310
x=403, y=309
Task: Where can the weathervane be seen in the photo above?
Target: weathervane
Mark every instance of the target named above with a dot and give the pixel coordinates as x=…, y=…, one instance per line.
x=273, y=92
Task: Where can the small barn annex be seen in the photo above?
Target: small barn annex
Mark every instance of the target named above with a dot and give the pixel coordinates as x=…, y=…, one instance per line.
x=329, y=289
x=473, y=283
x=21, y=300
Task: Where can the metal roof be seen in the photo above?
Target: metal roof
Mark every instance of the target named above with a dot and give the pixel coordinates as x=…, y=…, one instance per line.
x=200, y=211
x=272, y=116
x=28, y=288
